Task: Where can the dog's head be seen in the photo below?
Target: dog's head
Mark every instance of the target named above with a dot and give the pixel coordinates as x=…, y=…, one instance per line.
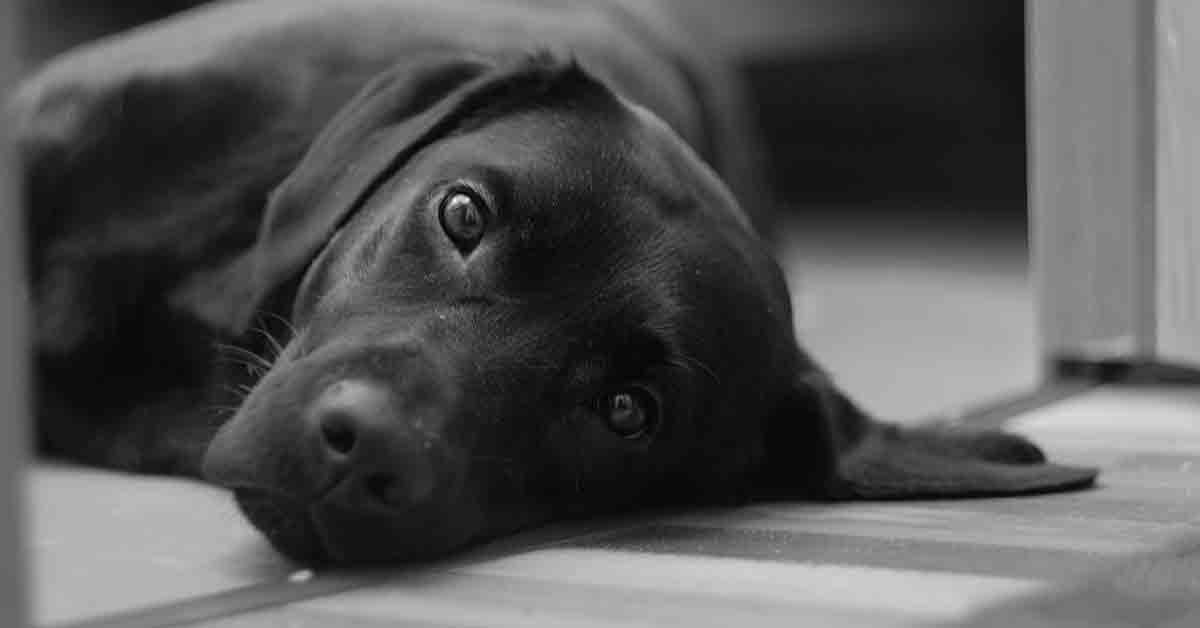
x=522, y=298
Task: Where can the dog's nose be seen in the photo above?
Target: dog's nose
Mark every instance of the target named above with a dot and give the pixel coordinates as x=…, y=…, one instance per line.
x=372, y=447
x=373, y=436
x=355, y=454
x=349, y=411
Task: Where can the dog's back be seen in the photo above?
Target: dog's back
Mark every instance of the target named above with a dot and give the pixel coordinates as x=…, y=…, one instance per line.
x=323, y=50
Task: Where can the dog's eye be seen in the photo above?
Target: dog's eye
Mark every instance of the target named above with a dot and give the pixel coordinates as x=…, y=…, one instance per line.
x=631, y=412
x=464, y=218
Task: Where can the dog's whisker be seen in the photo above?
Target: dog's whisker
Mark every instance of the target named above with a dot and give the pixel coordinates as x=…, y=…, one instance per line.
x=288, y=325
x=244, y=354
x=254, y=369
x=256, y=365
x=273, y=343
x=239, y=392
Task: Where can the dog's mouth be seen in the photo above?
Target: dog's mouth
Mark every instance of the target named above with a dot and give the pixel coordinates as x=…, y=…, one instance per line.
x=286, y=523
x=324, y=532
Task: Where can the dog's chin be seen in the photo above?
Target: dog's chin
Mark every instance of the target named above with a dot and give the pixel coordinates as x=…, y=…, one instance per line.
x=286, y=523
x=323, y=534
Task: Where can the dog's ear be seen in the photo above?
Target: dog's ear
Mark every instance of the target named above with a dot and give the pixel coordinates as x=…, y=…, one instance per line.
x=820, y=445
x=394, y=116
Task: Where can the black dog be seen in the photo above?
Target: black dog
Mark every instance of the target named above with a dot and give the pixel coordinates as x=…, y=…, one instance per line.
x=510, y=291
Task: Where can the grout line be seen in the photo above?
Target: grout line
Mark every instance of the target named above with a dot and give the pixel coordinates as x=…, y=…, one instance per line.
x=265, y=595
x=226, y=603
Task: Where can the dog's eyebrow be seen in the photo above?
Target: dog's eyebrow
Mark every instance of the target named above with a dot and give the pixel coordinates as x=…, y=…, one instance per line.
x=618, y=355
x=497, y=180
x=497, y=183
x=489, y=181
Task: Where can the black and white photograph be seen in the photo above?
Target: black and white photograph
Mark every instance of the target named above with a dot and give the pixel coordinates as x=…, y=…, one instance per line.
x=600, y=313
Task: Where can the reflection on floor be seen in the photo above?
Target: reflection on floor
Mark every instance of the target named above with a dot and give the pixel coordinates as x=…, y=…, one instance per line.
x=911, y=326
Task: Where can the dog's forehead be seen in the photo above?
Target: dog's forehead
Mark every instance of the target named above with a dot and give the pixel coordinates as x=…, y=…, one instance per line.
x=605, y=207
x=564, y=184
x=619, y=177
x=621, y=193
x=630, y=211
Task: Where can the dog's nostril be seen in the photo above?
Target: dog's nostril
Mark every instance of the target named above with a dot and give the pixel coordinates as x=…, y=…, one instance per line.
x=381, y=486
x=338, y=431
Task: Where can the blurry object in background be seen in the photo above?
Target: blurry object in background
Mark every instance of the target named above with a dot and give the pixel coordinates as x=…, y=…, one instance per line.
x=872, y=100
x=861, y=100
x=865, y=98
x=731, y=143
x=14, y=417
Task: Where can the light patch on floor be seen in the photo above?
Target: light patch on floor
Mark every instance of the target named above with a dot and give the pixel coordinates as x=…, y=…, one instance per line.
x=104, y=542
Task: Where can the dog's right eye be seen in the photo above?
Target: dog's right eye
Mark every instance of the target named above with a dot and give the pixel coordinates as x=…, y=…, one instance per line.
x=464, y=217
x=631, y=413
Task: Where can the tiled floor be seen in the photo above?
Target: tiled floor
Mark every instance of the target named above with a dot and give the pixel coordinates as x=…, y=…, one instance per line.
x=910, y=325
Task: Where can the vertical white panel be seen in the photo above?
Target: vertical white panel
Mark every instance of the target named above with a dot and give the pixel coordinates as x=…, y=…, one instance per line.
x=1115, y=177
x=1092, y=187
x=13, y=395
x=1178, y=208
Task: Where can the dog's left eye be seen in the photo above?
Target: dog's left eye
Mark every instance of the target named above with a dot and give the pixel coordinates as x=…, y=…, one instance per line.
x=631, y=412
x=464, y=218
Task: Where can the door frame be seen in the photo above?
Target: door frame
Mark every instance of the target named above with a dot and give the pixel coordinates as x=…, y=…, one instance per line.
x=1114, y=128
x=14, y=354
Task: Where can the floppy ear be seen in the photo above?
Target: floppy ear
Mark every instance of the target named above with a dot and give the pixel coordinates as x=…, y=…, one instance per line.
x=134, y=181
x=393, y=117
x=820, y=445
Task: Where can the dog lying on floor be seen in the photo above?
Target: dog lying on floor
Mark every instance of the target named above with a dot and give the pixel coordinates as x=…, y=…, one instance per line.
x=492, y=239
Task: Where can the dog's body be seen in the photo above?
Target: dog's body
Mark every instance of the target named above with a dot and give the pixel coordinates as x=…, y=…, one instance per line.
x=510, y=286
x=151, y=156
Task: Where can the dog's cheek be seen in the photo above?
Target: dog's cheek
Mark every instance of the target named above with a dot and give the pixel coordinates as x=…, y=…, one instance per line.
x=597, y=470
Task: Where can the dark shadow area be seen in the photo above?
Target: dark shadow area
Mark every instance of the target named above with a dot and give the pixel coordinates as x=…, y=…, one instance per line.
x=915, y=102
x=915, y=117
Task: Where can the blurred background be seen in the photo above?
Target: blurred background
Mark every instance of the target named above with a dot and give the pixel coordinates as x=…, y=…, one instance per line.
x=895, y=140
x=870, y=99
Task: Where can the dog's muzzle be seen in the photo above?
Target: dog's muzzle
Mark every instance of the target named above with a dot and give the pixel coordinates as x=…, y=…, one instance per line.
x=345, y=456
